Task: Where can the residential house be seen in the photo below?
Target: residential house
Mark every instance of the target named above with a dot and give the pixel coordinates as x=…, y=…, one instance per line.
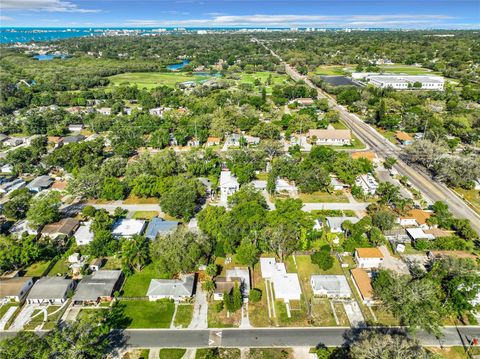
x=83, y=234
x=158, y=226
x=363, y=284
x=335, y=223
x=367, y=183
x=337, y=185
x=14, y=288
x=98, y=286
x=368, y=257
x=415, y=218
x=213, y=141
x=7, y=168
x=228, y=186
x=40, y=183
x=157, y=111
x=302, y=101
x=176, y=289
x=50, y=290
x=286, y=286
x=73, y=139
x=75, y=128
x=64, y=227
x=238, y=275
x=105, y=111
x=235, y=140
x=331, y=137
x=193, y=142
x=331, y=286
x=13, y=141
x=404, y=138
x=418, y=233
x=24, y=226
x=127, y=228
x=283, y=186
x=10, y=186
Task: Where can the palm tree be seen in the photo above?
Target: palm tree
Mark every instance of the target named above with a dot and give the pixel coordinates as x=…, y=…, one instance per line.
x=135, y=253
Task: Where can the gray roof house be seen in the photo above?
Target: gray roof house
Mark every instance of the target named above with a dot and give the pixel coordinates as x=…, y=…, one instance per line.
x=331, y=286
x=52, y=290
x=158, y=226
x=176, y=289
x=335, y=223
x=73, y=139
x=40, y=183
x=98, y=286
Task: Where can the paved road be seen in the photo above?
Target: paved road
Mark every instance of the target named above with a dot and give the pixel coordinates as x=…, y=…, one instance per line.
x=434, y=190
x=272, y=337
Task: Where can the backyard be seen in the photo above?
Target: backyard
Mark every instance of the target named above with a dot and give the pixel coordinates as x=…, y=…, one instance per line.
x=137, y=284
x=323, y=197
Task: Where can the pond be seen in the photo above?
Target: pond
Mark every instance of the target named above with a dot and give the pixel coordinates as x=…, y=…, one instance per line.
x=178, y=66
x=47, y=57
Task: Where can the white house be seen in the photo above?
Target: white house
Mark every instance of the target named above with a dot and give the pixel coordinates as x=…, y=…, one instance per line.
x=283, y=186
x=406, y=82
x=175, y=289
x=84, y=235
x=331, y=286
x=128, y=228
x=368, y=257
x=50, y=290
x=337, y=185
x=235, y=140
x=285, y=285
x=228, y=186
x=14, y=288
x=418, y=233
x=330, y=137
x=367, y=183
x=8, y=168
x=335, y=223
x=105, y=111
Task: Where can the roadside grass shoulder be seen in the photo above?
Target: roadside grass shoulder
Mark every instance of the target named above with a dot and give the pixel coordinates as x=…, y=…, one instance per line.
x=271, y=353
x=217, y=353
x=172, y=353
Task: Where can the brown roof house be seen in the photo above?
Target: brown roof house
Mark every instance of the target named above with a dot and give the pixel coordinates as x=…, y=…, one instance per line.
x=330, y=137
x=363, y=284
x=404, y=138
x=415, y=218
x=64, y=227
x=15, y=288
x=239, y=275
x=368, y=257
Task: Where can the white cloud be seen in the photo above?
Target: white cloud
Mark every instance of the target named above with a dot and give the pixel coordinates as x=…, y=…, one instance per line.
x=5, y=18
x=43, y=5
x=296, y=20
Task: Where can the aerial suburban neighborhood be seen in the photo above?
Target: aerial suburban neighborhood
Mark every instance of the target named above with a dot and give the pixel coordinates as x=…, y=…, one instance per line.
x=239, y=193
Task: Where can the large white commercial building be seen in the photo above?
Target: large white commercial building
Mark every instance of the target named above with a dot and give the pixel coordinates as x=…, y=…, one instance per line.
x=402, y=82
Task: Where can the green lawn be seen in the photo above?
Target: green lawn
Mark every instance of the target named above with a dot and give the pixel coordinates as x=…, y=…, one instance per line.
x=330, y=70
x=172, y=353
x=113, y=263
x=145, y=314
x=60, y=267
x=4, y=308
x=407, y=69
x=217, y=353
x=262, y=76
x=270, y=353
x=151, y=80
x=52, y=319
x=298, y=313
x=184, y=315
x=323, y=197
x=37, y=269
x=148, y=215
x=137, y=284
x=222, y=319
x=322, y=313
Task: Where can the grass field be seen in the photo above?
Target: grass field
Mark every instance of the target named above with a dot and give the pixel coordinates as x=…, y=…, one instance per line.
x=270, y=353
x=262, y=76
x=172, y=353
x=330, y=70
x=407, y=69
x=222, y=319
x=148, y=215
x=184, y=315
x=322, y=313
x=151, y=80
x=472, y=196
x=4, y=308
x=145, y=314
x=37, y=269
x=323, y=197
x=137, y=284
x=217, y=353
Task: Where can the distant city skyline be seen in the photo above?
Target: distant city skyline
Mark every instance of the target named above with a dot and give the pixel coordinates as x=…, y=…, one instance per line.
x=419, y=14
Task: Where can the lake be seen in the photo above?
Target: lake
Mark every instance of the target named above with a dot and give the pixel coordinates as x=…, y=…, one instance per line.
x=47, y=57
x=178, y=66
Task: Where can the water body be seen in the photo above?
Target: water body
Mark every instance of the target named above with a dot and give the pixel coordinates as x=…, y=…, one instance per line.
x=47, y=57
x=215, y=74
x=180, y=65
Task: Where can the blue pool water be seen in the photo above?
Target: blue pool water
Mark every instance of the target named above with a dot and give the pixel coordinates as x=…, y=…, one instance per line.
x=47, y=57
x=173, y=67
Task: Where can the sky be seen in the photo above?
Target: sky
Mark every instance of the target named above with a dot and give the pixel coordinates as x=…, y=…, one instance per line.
x=419, y=14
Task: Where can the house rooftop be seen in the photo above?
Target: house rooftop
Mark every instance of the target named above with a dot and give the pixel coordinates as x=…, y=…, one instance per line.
x=338, y=221
x=96, y=285
x=330, y=134
x=65, y=226
x=369, y=253
x=10, y=287
x=159, y=226
x=419, y=215
x=227, y=179
x=403, y=136
x=128, y=227
x=172, y=287
x=40, y=182
x=363, y=282
x=332, y=284
x=49, y=288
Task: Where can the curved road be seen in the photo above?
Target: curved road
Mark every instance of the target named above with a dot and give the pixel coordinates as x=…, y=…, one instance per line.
x=432, y=189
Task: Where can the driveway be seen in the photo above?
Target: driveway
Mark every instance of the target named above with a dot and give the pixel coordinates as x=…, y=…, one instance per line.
x=23, y=317
x=393, y=263
x=200, y=310
x=354, y=314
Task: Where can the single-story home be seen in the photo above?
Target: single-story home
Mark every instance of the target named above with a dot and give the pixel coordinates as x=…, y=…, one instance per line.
x=11, y=185
x=235, y=139
x=50, y=290
x=15, y=288
x=337, y=185
x=285, y=285
x=24, y=226
x=75, y=128
x=335, y=223
x=212, y=141
x=283, y=186
x=158, y=226
x=238, y=275
x=40, y=183
x=73, y=139
x=98, y=286
x=176, y=289
x=368, y=257
x=84, y=235
x=304, y=101
x=105, y=110
x=7, y=168
x=331, y=137
x=228, y=186
x=404, y=138
x=415, y=218
x=65, y=227
x=367, y=183
x=363, y=284
x=331, y=286
x=418, y=233
x=128, y=228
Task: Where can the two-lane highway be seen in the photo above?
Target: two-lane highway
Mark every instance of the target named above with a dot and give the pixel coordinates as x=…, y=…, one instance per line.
x=430, y=188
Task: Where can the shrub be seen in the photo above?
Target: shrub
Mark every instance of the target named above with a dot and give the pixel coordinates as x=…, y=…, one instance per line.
x=255, y=295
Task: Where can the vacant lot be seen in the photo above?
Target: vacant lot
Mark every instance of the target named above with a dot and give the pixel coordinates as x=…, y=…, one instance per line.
x=151, y=80
x=263, y=77
x=472, y=196
x=323, y=197
x=145, y=314
x=270, y=353
x=222, y=319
